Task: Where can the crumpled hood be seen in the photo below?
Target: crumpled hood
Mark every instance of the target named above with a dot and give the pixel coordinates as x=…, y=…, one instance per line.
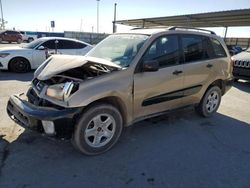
x=243, y=56
x=59, y=63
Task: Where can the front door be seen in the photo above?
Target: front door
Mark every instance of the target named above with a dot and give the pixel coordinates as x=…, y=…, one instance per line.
x=7, y=36
x=39, y=56
x=161, y=90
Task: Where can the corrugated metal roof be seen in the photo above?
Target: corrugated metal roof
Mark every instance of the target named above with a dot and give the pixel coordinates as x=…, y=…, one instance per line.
x=229, y=18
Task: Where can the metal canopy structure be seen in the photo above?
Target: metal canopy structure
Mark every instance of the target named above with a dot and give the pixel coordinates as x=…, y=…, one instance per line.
x=226, y=19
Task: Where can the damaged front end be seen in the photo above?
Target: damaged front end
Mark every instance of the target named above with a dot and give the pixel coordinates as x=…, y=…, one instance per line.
x=46, y=106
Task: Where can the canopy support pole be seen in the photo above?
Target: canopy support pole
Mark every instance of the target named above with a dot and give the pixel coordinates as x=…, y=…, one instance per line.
x=225, y=33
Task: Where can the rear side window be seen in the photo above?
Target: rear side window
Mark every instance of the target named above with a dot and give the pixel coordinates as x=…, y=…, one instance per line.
x=12, y=32
x=67, y=44
x=165, y=50
x=194, y=48
x=80, y=45
x=218, y=50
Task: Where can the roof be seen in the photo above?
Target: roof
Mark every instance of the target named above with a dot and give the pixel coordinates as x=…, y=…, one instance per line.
x=63, y=38
x=229, y=18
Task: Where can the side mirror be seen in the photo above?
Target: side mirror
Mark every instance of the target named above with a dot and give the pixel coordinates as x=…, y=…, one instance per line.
x=150, y=66
x=41, y=48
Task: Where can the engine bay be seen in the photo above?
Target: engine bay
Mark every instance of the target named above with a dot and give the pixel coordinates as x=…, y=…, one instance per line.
x=87, y=71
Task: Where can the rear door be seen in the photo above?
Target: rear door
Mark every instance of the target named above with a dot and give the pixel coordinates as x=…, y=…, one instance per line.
x=161, y=90
x=12, y=36
x=198, y=66
x=15, y=36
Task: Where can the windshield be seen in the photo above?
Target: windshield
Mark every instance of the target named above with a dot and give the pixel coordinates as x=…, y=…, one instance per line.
x=34, y=44
x=119, y=49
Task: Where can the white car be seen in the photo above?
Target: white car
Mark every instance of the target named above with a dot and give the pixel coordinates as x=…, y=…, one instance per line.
x=30, y=56
x=28, y=36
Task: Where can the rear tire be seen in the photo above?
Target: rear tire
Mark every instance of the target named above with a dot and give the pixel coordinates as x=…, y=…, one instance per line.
x=98, y=129
x=210, y=102
x=19, y=41
x=19, y=65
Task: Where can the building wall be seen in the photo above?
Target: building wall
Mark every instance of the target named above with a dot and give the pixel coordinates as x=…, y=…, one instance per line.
x=243, y=42
x=91, y=38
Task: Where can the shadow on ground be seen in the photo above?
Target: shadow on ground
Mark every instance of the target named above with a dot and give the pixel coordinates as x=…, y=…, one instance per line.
x=6, y=75
x=181, y=150
x=242, y=85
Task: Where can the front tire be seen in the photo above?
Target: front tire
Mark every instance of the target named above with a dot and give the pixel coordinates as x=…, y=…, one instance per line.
x=19, y=65
x=30, y=40
x=98, y=129
x=210, y=102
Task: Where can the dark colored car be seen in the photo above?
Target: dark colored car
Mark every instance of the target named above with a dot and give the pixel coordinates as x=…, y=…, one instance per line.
x=11, y=36
x=234, y=49
x=241, y=68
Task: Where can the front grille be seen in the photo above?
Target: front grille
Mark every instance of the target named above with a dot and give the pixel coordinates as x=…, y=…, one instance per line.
x=33, y=98
x=239, y=71
x=242, y=64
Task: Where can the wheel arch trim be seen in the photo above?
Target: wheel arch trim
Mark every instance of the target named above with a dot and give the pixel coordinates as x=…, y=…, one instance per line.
x=16, y=57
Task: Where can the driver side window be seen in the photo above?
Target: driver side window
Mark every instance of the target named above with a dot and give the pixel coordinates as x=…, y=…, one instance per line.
x=49, y=44
x=165, y=50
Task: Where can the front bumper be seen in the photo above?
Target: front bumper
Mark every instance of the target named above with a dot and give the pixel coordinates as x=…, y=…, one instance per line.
x=4, y=63
x=31, y=116
x=241, y=73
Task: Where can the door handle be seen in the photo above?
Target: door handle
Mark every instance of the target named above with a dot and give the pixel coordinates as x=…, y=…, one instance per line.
x=176, y=72
x=209, y=65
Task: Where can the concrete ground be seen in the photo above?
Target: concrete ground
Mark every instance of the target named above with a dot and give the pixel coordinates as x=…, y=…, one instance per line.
x=176, y=150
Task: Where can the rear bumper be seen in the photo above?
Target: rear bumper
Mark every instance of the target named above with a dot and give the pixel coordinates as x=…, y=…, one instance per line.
x=31, y=116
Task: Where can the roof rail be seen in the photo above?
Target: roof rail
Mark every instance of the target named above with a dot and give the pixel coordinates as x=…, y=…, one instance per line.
x=191, y=28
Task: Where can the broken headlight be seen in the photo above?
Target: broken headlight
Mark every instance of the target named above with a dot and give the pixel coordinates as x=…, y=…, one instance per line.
x=61, y=91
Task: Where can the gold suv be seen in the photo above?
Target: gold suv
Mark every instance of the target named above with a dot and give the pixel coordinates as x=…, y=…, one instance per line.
x=126, y=78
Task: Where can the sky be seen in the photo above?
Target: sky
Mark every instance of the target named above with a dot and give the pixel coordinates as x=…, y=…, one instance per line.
x=81, y=15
